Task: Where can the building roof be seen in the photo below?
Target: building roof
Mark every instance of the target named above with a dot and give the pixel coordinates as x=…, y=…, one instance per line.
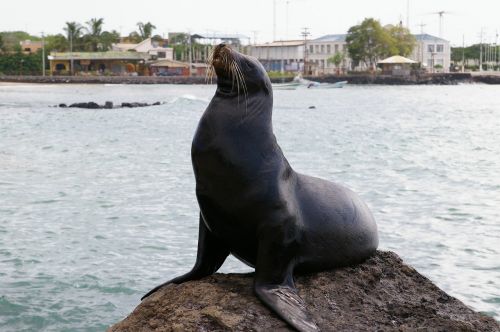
x=111, y=55
x=30, y=42
x=217, y=35
x=124, y=46
x=281, y=43
x=427, y=37
x=397, y=59
x=331, y=38
x=170, y=64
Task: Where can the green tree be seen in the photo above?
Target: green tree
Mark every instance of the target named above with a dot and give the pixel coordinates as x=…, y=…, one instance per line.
x=337, y=60
x=21, y=64
x=368, y=42
x=108, y=38
x=1, y=44
x=403, y=42
x=73, y=34
x=56, y=43
x=93, y=37
x=145, y=29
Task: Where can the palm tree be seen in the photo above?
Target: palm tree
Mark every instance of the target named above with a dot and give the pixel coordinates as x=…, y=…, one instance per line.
x=146, y=29
x=73, y=32
x=94, y=31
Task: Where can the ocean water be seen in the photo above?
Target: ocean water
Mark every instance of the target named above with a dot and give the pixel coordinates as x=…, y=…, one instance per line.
x=98, y=206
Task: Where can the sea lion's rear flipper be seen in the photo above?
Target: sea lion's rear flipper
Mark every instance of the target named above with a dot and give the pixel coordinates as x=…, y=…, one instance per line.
x=285, y=301
x=211, y=254
x=274, y=279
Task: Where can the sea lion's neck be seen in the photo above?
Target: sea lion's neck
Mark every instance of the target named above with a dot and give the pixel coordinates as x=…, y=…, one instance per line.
x=251, y=111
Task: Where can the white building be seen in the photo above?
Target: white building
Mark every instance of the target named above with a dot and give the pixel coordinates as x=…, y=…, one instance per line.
x=319, y=50
x=433, y=52
x=149, y=46
x=286, y=55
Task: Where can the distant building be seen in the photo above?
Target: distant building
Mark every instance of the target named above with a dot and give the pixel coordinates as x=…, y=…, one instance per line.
x=28, y=46
x=99, y=63
x=157, y=49
x=285, y=55
x=433, y=53
x=319, y=50
x=169, y=68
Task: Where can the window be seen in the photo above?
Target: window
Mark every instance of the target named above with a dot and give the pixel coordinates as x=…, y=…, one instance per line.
x=439, y=48
x=430, y=48
x=328, y=48
x=336, y=48
x=311, y=49
x=322, y=48
x=162, y=55
x=316, y=48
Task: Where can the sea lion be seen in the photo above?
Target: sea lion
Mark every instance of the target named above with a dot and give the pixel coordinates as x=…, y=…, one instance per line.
x=255, y=206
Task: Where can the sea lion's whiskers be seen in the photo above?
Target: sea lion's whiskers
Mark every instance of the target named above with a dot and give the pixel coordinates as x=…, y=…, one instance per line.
x=243, y=83
x=237, y=76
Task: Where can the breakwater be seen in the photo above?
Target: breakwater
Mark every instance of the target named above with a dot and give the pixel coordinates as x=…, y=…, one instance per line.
x=429, y=79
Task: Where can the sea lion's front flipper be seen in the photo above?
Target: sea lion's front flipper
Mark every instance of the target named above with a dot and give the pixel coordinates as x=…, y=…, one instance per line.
x=274, y=279
x=211, y=254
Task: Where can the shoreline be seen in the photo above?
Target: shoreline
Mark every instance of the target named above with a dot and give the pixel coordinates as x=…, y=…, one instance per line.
x=429, y=79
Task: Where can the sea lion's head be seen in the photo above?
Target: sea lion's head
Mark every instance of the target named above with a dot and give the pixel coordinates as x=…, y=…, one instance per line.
x=238, y=74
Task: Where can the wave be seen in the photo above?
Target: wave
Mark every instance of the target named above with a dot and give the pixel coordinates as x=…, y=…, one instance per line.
x=188, y=98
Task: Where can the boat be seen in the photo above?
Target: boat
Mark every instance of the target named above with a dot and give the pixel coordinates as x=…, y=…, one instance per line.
x=286, y=86
x=298, y=81
x=336, y=85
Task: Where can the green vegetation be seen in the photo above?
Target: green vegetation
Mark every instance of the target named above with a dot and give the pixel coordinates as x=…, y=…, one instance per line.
x=11, y=39
x=471, y=55
x=21, y=64
x=278, y=74
x=369, y=42
x=337, y=60
x=145, y=31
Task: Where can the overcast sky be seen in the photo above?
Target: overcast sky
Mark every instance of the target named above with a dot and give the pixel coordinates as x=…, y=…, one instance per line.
x=255, y=17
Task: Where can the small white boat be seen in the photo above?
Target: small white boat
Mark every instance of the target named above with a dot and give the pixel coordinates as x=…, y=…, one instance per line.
x=336, y=85
x=286, y=86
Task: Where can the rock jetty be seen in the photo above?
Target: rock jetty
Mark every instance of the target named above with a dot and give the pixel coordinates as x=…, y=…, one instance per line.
x=382, y=294
x=107, y=105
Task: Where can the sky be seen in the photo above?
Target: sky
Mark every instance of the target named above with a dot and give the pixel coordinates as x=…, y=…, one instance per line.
x=254, y=18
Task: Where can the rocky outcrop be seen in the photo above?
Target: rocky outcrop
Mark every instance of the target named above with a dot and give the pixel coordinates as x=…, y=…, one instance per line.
x=382, y=294
x=107, y=105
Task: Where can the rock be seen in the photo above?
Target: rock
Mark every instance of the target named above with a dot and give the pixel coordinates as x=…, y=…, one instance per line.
x=156, y=103
x=63, y=105
x=382, y=294
x=90, y=105
x=131, y=105
x=108, y=105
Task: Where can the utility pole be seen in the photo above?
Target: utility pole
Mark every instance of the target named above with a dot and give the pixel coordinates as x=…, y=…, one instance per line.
x=463, y=53
x=408, y=14
x=305, y=33
x=274, y=20
x=71, y=51
x=421, y=44
x=255, y=33
x=481, y=51
x=43, y=54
